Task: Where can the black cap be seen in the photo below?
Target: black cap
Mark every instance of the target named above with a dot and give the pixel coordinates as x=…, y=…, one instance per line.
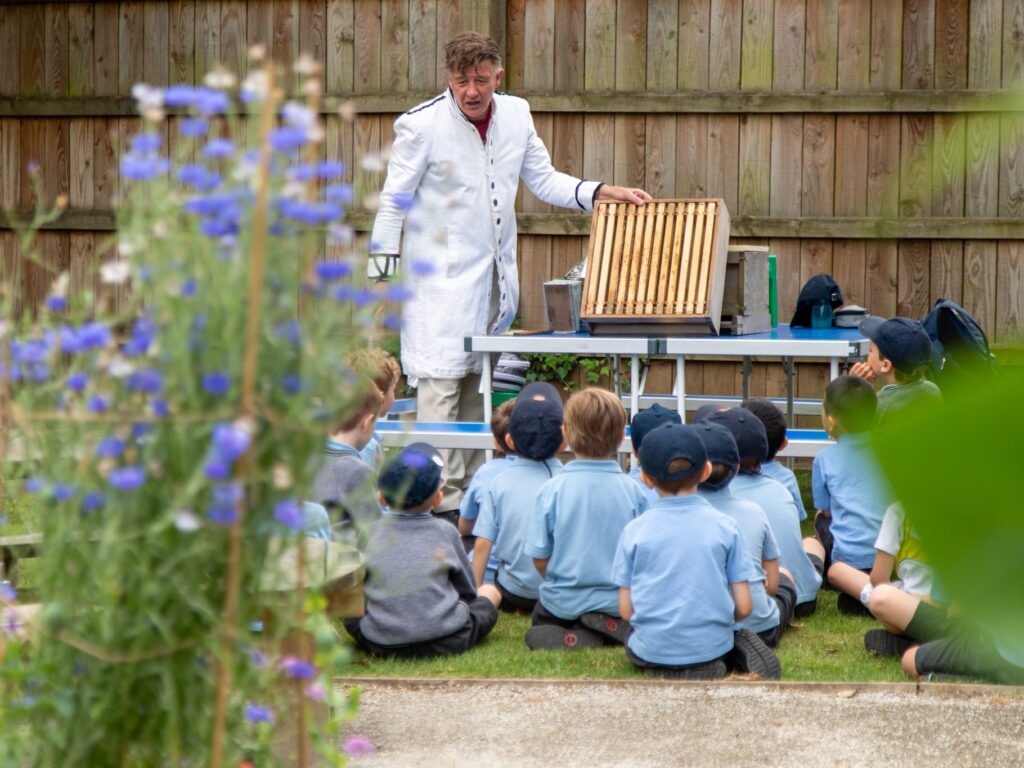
x=409, y=479
x=903, y=341
x=748, y=431
x=669, y=442
x=706, y=410
x=536, y=427
x=645, y=421
x=721, y=448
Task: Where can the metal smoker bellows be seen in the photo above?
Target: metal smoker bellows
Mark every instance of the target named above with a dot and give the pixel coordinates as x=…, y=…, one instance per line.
x=656, y=268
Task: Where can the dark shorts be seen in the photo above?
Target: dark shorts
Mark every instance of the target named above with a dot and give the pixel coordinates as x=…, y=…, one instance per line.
x=654, y=669
x=806, y=608
x=823, y=532
x=513, y=603
x=928, y=623
x=482, y=618
x=542, y=615
x=969, y=652
x=451, y=515
x=785, y=598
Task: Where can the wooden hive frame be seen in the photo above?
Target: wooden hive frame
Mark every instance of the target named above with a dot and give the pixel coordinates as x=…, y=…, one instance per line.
x=656, y=268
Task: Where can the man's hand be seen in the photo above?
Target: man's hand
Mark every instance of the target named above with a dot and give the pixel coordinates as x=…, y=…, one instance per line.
x=625, y=194
x=862, y=370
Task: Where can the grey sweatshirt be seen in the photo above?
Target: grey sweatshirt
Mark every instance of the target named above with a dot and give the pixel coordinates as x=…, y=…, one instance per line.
x=418, y=580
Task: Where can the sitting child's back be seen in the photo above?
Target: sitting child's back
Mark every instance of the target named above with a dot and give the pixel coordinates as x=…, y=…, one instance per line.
x=775, y=428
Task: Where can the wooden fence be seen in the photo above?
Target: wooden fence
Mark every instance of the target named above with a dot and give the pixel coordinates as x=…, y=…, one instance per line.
x=879, y=140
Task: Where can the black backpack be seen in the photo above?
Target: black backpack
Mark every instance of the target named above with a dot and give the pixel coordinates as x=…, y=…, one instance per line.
x=820, y=288
x=960, y=350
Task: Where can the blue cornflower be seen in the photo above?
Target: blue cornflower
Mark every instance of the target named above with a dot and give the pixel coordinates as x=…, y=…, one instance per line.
x=292, y=384
x=227, y=494
x=403, y=200
x=330, y=169
x=32, y=350
x=146, y=381
x=143, y=332
x=77, y=382
x=179, y=96
x=304, y=172
x=208, y=101
x=230, y=442
x=344, y=293
x=288, y=512
x=219, y=148
x=217, y=469
x=216, y=383
x=159, y=407
x=93, y=500
x=63, y=492
x=34, y=484
x=70, y=340
x=364, y=297
x=93, y=335
x=222, y=515
x=290, y=331
x=8, y=594
x=56, y=303
x=14, y=374
x=38, y=372
x=288, y=138
x=194, y=126
x=422, y=268
x=297, y=669
x=392, y=322
x=139, y=431
x=256, y=713
x=127, y=478
x=139, y=168
x=110, y=447
x=398, y=292
x=309, y=213
x=218, y=227
x=333, y=270
x=188, y=288
x=144, y=143
x=199, y=177
x=98, y=403
x=339, y=193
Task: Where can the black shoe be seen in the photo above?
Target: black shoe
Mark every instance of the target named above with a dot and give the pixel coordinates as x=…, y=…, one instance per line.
x=554, y=636
x=611, y=627
x=851, y=606
x=751, y=655
x=883, y=643
x=712, y=670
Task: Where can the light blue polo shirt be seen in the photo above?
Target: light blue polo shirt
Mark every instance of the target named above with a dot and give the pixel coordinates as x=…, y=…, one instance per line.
x=576, y=526
x=505, y=517
x=472, y=498
x=847, y=481
x=678, y=560
x=782, y=516
x=784, y=475
x=373, y=453
x=759, y=543
x=650, y=493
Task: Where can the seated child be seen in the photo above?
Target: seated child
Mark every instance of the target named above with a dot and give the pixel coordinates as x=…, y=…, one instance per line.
x=772, y=594
x=383, y=370
x=783, y=517
x=643, y=423
x=575, y=528
x=420, y=596
x=849, y=491
x=345, y=483
x=469, y=509
x=900, y=354
x=535, y=434
x=775, y=427
x=683, y=572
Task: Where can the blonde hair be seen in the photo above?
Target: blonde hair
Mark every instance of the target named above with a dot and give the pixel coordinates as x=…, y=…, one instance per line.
x=594, y=422
x=377, y=365
x=368, y=400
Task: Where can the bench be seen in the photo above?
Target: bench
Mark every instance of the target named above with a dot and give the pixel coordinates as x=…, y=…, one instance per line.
x=803, y=443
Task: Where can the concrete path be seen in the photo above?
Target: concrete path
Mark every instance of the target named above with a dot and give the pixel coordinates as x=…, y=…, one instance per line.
x=529, y=724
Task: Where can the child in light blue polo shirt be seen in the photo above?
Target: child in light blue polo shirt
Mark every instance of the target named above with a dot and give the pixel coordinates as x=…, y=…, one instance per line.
x=469, y=510
x=642, y=423
x=575, y=527
x=849, y=491
x=535, y=434
x=684, y=574
x=783, y=517
x=772, y=602
x=775, y=428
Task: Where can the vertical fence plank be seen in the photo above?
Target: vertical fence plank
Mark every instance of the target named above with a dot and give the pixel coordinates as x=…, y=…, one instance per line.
x=1009, y=292
x=449, y=24
x=886, y=45
x=854, y=54
x=913, y=278
x=948, y=166
x=56, y=49
x=821, y=56
x=851, y=152
x=880, y=281
x=32, y=58
x=286, y=36
x=980, y=282
x=947, y=275
x=630, y=74
x=918, y=44
x=694, y=43
x=815, y=258
x=130, y=43
x=81, y=52
x=756, y=45
x=394, y=56
x=1011, y=166
x=11, y=162
x=819, y=165
x=367, y=48
x=985, y=51
x=788, y=130
x=599, y=130
x=10, y=37
x=233, y=50
x=340, y=66
x=661, y=75
x=259, y=24
x=755, y=131
x=849, y=262
x=916, y=166
x=1013, y=43
x=423, y=59
x=155, y=49
x=181, y=32
x=726, y=40
x=951, y=43
x=787, y=262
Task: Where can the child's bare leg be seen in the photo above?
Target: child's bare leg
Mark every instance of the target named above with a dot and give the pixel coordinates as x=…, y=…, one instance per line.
x=813, y=547
x=909, y=661
x=787, y=574
x=847, y=579
x=893, y=607
x=490, y=592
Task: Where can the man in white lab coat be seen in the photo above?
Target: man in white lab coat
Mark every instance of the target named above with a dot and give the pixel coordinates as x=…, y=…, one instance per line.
x=452, y=180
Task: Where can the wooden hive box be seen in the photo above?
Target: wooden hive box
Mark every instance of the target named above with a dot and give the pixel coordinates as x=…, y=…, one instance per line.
x=745, y=302
x=656, y=268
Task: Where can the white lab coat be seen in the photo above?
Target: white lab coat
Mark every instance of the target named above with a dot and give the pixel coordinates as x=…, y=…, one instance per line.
x=461, y=222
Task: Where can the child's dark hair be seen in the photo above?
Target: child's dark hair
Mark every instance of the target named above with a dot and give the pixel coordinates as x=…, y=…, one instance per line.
x=852, y=402
x=675, y=486
x=773, y=419
x=720, y=473
x=906, y=377
x=369, y=400
x=499, y=424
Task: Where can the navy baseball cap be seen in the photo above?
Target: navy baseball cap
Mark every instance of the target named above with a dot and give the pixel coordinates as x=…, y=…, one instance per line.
x=669, y=442
x=412, y=477
x=721, y=448
x=747, y=430
x=645, y=421
x=536, y=427
x=540, y=390
x=706, y=410
x=903, y=341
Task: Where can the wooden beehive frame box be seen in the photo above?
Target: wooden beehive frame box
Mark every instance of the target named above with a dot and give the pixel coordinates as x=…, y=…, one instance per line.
x=656, y=268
